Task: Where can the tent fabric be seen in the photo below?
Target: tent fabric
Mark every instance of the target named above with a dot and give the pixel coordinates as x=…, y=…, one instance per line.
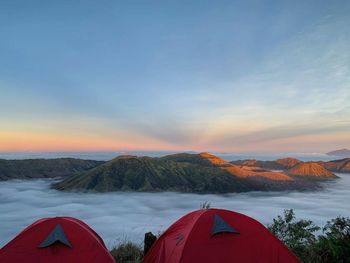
x=57, y=235
x=46, y=241
x=220, y=226
x=191, y=239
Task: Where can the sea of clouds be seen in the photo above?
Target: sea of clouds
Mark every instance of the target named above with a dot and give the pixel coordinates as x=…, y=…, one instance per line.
x=128, y=215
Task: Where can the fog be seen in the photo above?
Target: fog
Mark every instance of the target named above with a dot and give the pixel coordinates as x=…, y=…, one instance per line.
x=118, y=216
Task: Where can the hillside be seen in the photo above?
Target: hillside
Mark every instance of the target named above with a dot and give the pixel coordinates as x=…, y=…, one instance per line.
x=340, y=166
x=279, y=164
x=131, y=173
x=200, y=173
x=205, y=159
x=254, y=173
x=341, y=153
x=310, y=169
x=287, y=163
x=295, y=168
x=43, y=168
x=241, y=171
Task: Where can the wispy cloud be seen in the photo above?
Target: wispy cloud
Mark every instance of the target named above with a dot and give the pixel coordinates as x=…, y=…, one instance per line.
x=186, y=77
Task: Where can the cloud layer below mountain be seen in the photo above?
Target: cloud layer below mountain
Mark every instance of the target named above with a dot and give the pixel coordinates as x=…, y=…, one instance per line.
x=118, y=216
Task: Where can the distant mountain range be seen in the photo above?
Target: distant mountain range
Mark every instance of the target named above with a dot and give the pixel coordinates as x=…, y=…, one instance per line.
x=338, y=166
x=43, y=168
x=201, y=173
x=184, y=172
x=341, y=152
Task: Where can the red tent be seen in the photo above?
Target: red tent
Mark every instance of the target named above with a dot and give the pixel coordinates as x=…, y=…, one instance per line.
x=217, y=235
x=59, y=239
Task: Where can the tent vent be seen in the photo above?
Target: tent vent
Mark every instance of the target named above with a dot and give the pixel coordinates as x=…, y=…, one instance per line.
x=56, y=235
x=220, y=226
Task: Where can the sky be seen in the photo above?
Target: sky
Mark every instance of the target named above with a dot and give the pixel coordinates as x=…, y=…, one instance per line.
x=224, y=76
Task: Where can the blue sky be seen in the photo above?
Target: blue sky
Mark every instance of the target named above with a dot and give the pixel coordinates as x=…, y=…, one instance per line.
x=237, y=76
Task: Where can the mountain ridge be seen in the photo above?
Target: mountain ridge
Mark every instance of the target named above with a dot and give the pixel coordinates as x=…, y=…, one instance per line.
x=43, y=168
x=341, y=152
x=153, y=174
x=340, y=165
x=310, y=169
x=184, y=172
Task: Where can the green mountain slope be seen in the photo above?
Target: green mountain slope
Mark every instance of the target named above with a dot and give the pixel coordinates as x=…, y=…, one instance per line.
x=43, y=168
x=155, y=174
x=204, y=159
x=279, y=164
x=199, y=173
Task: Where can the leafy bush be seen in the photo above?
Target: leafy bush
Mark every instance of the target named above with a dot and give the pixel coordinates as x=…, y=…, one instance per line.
x=127, y=252
x=334, y=245
x=300, y=236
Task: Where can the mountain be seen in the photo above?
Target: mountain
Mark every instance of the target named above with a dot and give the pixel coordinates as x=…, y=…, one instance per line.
x=199, y=173
x=287, y=163
x=204, y=158
x=279, y=164
x=43, y=168
x=257, y=173
x=310, y=169
x=340, y=166
x=241, y=171
x=131, y=173
x=296, y=168
x=341, y=152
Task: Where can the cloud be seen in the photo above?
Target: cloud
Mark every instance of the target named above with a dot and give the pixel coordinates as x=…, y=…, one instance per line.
x=282, y=132
x=178, y=83
x=120, y=215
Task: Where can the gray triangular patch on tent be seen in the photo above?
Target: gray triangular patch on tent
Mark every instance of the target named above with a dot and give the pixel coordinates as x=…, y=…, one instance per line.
x=56, y=235
x=220, y=226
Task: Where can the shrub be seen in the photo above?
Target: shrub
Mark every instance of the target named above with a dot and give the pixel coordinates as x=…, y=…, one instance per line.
x=127, y=252
x=334, y=244
x=330, y=247
x=204, y=205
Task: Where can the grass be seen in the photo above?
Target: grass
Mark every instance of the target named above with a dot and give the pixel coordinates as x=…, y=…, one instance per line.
x=127, y=252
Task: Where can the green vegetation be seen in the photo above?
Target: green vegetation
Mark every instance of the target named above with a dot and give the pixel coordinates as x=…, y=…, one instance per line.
x=299, y=236
x=131, y=173
x=184, y=172
x=43, y=168
x=196, y=173
x=127, y=252
x=332, y=245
